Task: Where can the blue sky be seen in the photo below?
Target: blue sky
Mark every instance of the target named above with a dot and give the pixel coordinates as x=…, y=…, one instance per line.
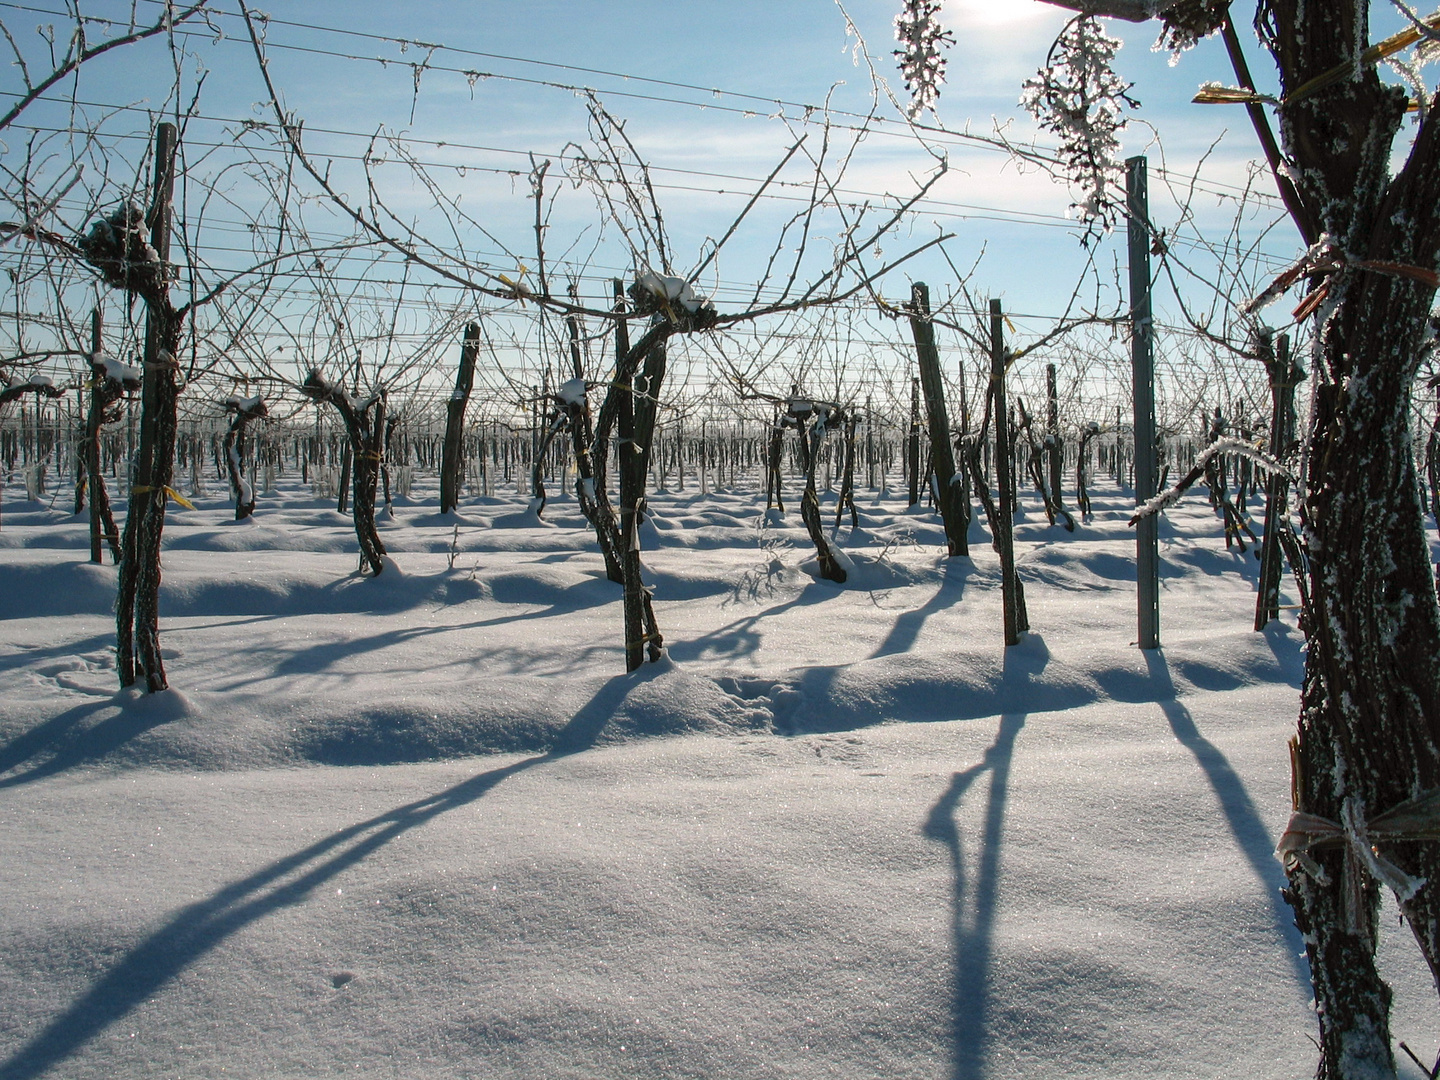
x=346, y=69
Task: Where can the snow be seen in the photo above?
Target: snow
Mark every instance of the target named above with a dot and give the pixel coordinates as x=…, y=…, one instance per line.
x=243, y=404
x=571, y=392
x=672, y=288
x=423, y=825
x=115, y=369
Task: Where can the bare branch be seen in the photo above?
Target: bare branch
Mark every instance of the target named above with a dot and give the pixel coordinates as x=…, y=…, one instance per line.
x=163, y=25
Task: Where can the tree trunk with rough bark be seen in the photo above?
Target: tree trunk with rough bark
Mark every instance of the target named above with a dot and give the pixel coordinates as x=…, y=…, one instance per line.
x=364, y=421
x=452, y=457
x=950, y=490
x=1369, y=731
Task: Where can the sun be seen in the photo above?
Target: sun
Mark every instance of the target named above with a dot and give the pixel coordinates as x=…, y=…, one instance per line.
x=996, y=13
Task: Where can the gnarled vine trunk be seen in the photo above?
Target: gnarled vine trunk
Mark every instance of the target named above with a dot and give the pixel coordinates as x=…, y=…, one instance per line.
x=106, y=391
x=1369, y=731
x=365, y=425
x=137, y=606
x=452, y=460
x=236, y=449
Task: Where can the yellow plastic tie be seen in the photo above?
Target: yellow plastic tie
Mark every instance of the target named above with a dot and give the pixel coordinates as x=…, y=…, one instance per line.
x=173, y=494
x=1214, y=94
x=1381, y=50
x=170, y=493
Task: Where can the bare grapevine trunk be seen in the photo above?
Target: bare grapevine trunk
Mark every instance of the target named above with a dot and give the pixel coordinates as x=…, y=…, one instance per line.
x=365, y=425
x=137, y=606
x=1432, y=465
x=452, y=459
x=812, y=429
x=105, y=393
x=236, y=450
x=1369, y=733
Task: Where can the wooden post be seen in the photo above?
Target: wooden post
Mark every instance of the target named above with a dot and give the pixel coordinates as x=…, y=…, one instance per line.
x=950, y=488
x=912, y=456
x=452, y=460
x=1142, y=359
x=1285, y=375
x=1052, y=436
x=1016, y=621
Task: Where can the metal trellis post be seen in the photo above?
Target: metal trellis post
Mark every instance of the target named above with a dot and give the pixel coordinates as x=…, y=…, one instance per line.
x=1142, y=358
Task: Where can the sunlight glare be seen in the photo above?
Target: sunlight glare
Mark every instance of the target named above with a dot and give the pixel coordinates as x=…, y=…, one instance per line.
x=971, y=14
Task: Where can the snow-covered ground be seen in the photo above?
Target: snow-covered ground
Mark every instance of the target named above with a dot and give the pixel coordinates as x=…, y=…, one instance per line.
x=425, y=826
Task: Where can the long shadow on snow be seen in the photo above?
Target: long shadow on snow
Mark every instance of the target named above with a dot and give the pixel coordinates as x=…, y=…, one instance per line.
x=930, y=694
x=1251, y=836
x=973, y=902
x=908, y=625
x=198, y=928
x=64, y=650
x=316, y=659
x=740, y=638
x=58, y=737
x=69, y=742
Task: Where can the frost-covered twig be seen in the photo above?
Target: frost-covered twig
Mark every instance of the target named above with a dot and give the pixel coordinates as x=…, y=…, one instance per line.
x=1226, y=445
x=921, y=63
x=1079, y=98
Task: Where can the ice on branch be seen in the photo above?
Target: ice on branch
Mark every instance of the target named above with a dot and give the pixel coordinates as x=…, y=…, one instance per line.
x=674, y=290
x=1080, y=99
x=922, y=65
x=1226, y=445
x=1187, y=22
x=251, y=406
x=119, y=248
x=319, y=389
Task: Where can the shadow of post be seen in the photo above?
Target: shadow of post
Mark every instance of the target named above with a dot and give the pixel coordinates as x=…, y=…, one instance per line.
x=908, y=624
x=1251, y=836
x=198, y=928
x=65, y=738
x=973, y=902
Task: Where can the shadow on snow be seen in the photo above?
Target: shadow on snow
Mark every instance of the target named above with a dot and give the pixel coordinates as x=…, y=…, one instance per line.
x=973, y=901
x=198, y=928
